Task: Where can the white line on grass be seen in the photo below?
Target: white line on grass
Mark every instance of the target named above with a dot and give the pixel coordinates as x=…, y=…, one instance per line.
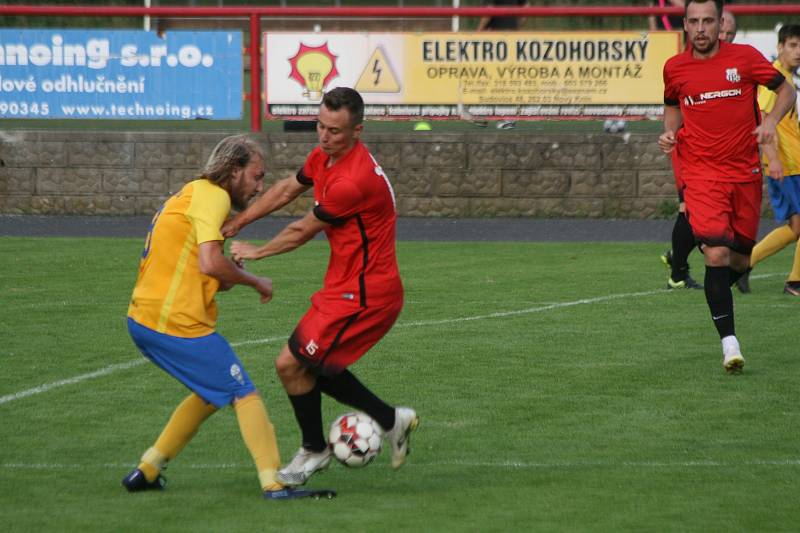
x=102, y=372
x=501, y=314
x=520, y=465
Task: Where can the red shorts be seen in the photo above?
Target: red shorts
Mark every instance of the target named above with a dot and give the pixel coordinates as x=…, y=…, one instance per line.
x=722, y=213
x=331, y=339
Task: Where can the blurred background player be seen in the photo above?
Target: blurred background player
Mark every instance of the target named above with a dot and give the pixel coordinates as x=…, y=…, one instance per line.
x=504, y=23
x=709, y=90
x=728, y=28
x=683, y=241
x=667, y=22
x=362, y=294
x=172, y=315
x=782, y=164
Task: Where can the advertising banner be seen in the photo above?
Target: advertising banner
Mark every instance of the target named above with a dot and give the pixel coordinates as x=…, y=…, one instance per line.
x=128, y=75
x=575, y=74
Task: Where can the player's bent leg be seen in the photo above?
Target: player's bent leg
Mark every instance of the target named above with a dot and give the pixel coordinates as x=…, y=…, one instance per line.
x=304, y=395
x=399, y=437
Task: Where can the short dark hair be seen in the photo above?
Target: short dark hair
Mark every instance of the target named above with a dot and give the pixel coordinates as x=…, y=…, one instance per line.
x=717, y=3
x=340, y=97
x=787, y=31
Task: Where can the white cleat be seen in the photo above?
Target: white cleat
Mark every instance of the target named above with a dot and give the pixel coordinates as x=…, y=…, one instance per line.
x=304, y=465
x=406, y=421
x=733, y=363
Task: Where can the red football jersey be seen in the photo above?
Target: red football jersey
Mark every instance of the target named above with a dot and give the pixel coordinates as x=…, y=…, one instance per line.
x=355, y=197
x=718, y=101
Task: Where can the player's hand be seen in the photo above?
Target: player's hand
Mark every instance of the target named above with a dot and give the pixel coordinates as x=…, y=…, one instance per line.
x=765, y=132
x=666, y=141
x=264, y=288
x=241, y=250
x=776, y=170
x=230, y=228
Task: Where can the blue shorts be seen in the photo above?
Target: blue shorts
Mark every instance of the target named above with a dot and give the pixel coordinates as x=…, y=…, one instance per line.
x=784, y=196
x=206, y=365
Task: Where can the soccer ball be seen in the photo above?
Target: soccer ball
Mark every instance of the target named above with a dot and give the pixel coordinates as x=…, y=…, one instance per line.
x=613, y=126
x=355, y=439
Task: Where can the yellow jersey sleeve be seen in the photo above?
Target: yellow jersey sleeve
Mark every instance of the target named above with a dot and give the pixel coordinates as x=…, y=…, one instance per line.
x=766, y=99
x=209, y=209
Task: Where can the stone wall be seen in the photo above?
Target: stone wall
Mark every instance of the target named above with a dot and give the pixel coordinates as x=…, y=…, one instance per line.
x=471, y=174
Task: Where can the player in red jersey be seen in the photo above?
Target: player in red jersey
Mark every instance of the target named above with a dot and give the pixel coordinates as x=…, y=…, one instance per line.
x=683, y=242
x=362, y=294
x=710, y=89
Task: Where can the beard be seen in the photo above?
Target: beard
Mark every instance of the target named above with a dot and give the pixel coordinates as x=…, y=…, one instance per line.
x=707, y=46
x=239, y=199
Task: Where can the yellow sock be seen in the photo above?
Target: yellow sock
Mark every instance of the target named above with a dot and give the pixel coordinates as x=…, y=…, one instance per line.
x=259, y=437
x=775, y=241
x=794, y=275
x=180, y=429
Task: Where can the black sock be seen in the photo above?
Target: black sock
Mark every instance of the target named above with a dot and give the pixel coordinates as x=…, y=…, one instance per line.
x=734, y=275
x=308, y=412
x=683, y=242
x=720, y=299
x=345, y=388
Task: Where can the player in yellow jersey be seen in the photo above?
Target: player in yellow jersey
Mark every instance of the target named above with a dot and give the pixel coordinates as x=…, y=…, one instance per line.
x=782, y=163
x=172, y=316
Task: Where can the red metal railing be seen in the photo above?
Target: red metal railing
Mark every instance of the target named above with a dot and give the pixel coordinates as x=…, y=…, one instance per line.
x=256, y=13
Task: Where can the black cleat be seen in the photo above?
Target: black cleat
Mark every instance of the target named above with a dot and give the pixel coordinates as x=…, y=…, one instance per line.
x=743, y=283
x=290, y=493
x=688, y=283
x=136, y=482
x=792, y=288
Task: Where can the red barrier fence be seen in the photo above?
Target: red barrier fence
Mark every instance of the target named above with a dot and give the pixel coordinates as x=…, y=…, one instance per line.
x=256, y=13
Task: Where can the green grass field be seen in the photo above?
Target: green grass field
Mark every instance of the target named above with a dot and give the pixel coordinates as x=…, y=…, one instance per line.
x=560, y=389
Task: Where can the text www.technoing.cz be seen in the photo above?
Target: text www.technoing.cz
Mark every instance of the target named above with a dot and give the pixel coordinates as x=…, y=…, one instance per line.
x=136, y=110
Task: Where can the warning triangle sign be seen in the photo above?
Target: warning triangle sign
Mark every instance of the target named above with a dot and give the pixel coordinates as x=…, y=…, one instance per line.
x=378, y=76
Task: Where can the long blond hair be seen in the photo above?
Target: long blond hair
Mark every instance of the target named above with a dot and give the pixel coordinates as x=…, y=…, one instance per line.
x=231, y=153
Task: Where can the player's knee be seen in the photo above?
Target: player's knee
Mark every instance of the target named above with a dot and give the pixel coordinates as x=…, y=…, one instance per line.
x=794, y=224
x=716, y=255
x=286, y=365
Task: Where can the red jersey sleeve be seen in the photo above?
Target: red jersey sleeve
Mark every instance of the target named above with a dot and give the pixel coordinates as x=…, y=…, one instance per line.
x=761, y=71
x=342, y=200
x=671, y=97
x=305, y=176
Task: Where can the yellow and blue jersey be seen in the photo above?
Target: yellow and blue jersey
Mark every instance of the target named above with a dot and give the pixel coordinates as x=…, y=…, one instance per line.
x=788, y=128
x=171, y=295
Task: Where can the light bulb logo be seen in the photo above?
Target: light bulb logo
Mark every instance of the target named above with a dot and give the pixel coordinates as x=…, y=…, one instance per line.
x=313, y=67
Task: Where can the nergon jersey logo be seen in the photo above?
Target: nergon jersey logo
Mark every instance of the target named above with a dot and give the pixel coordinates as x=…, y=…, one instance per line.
x=702, y=98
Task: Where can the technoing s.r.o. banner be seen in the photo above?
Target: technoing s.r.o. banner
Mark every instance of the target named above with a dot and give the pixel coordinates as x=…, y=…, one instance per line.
x=440, y=75
x=120, y=75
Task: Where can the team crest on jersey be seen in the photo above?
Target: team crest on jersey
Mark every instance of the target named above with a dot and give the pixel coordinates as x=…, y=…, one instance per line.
x=732, y=75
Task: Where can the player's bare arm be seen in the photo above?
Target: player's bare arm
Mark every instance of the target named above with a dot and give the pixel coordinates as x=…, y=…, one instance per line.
x=672, y=121
x=281, y=193
x=290, y=238
x=765, y=132
x=770, y=150
x=213, y=263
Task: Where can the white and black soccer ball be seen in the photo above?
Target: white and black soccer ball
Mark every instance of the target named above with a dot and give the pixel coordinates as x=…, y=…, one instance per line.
x=355, y=439
x=614, y=126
